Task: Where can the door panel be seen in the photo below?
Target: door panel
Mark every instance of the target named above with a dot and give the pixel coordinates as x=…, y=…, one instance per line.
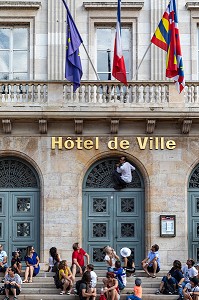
x=193, y=225
x=19, y=225
x=113, y=218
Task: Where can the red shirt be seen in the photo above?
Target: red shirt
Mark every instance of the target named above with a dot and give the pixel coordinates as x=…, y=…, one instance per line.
x=79, y=256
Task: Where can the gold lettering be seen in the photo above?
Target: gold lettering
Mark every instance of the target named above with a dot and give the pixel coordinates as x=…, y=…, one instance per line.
x=141, y=144
x=170, y=144
x=124, y=144
x=112, y=144
x=79, y=143
x=69, y=144
x=56, y=141
x=96, y=143
x=162, y=143
x=88, y=144
x=156, y=143
x=151, y=143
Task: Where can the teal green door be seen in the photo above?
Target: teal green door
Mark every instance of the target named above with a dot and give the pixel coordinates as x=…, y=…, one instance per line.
x=110, y=217
x=193, y=214
x=19, y=206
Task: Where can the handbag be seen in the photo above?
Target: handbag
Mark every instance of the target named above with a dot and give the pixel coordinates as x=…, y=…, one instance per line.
x=102, y=297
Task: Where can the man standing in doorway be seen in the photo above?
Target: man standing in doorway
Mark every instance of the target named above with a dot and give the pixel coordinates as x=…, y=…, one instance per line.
x=78, y=265
x=122, y=175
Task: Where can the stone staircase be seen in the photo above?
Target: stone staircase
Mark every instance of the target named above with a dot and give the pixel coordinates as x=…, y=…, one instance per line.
x=43, y=288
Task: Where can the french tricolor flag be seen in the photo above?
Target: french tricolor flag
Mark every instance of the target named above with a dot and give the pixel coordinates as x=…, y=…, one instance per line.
x=119, y=69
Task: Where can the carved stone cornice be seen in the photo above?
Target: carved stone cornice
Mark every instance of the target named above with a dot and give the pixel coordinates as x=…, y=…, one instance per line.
x=7, y=126
x=43, y=126
x=113, y=5
x=186, y=126
x=150, y=126
x=20, y=5
x=192, y=5
x=78, y=126
x=114, y=126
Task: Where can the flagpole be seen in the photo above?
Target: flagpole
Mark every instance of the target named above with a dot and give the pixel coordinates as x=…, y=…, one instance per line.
x=91, y=62
x=83, y=44
x=136, y=72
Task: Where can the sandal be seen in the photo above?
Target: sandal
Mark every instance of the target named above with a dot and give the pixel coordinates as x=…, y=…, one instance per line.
x=153, y=276
x=25, y=281
x=62, y=293
x=30, y=281
x=68, y=293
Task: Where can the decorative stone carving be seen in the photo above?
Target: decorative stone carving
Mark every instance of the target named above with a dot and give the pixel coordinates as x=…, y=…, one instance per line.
x=138, y=5
x=7, y=126
x=43, y=126
x=20, y=5
x=192, y=5
x=78, y=126
x=114, y=126
x=186, y=126
x=150, y=126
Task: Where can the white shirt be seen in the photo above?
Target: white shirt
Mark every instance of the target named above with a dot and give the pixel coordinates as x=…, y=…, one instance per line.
x=126, y=170
x=107, y=259
x=93, y=279
x=2, y=255
x=189, y=272
x=190, y=289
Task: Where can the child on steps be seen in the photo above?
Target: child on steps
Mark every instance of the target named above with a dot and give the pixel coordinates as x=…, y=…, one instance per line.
x=137, y=291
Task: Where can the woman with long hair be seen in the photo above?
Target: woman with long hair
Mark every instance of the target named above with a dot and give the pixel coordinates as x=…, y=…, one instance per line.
x=111, y=289
x=85, y=289
x=54, y=260
x=66, y=278
x=32, y=264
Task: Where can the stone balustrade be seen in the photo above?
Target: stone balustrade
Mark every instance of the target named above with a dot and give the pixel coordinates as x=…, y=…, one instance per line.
x=139, y=94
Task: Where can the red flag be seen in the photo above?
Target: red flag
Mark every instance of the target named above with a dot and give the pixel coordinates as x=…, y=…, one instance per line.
x=119, y=69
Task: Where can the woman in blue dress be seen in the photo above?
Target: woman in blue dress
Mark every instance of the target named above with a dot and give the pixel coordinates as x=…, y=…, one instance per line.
x=32, y=264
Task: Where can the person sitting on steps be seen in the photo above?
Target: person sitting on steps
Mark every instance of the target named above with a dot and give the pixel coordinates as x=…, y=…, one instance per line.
x=66, y=278
x=12, y=283
x=151, y=264
x=32, y=264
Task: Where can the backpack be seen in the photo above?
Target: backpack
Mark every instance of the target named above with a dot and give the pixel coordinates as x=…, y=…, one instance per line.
x=77, y=286
x=169, y=288
x=2, y=290
x=57, y=282
x=121, y=285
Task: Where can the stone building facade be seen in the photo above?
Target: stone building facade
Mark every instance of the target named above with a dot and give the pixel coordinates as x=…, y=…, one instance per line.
x=58, y=149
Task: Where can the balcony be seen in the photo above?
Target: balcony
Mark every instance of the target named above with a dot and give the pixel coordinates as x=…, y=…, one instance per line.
x=98, y=97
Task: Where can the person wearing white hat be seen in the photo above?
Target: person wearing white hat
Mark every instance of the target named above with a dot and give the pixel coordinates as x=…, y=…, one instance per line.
x=128, y=261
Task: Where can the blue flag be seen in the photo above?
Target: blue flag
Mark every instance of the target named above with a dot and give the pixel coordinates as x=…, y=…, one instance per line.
x=73, y=67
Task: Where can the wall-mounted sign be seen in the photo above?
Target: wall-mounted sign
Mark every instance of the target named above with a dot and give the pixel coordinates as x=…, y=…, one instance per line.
x=168, y=225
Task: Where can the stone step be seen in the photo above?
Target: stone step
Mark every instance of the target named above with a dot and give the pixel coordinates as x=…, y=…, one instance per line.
x=28, y=296
x=50, y=284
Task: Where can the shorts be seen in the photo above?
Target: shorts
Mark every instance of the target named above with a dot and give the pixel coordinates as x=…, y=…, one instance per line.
x=171, y=280
x=9, y=287
x=3, y=269
x=78, y=269
x=151, y=270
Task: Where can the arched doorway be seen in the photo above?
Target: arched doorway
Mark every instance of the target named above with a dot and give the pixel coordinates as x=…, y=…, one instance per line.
x=193, y=214
x=112, y=217
x=19, y=205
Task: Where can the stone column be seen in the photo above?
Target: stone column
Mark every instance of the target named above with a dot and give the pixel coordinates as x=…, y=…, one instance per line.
x=158, y=56
x=56, y=39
